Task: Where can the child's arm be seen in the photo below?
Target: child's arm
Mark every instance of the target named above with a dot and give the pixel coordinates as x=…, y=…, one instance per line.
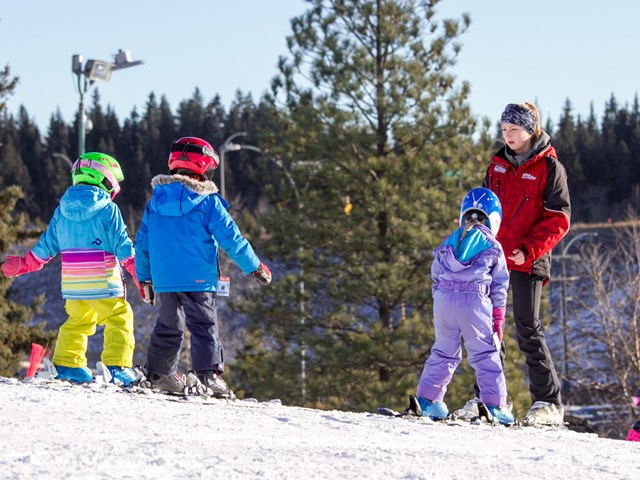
x=143, y=266
x=46, y=248
x=498, y=294
x=119, y=242
x=231, y=240
x=15, y=265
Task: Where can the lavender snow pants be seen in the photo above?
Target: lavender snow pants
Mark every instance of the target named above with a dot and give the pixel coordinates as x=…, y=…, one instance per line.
x=466, y=314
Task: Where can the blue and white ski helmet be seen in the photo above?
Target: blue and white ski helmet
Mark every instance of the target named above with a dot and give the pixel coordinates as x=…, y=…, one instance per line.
x=487, y=202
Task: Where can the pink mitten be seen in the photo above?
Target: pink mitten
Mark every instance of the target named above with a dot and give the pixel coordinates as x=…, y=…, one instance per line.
x=15, y=266
x=498, y=321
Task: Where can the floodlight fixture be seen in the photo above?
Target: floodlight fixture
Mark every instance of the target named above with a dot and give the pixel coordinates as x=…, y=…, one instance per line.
x=98, y=70
x=94, y=70
x=76, y=64
x=123, y=60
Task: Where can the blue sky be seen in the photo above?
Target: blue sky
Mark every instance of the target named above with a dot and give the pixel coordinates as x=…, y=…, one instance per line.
x=544, y=51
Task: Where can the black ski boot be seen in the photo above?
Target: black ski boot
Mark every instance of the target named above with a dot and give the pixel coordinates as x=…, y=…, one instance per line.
x=414, y=409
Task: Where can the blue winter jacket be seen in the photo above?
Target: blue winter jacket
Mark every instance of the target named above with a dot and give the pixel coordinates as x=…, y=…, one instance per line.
x=88, y=230
x=476, y=262
x=182, y=227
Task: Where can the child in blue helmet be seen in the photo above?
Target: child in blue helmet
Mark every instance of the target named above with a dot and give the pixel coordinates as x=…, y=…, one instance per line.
x=470, y=283
x=88, y=231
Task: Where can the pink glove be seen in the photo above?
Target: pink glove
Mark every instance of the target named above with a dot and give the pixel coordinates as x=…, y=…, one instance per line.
x=129, y=264
x=15, y=266
x=498, y=321
x=262, y=274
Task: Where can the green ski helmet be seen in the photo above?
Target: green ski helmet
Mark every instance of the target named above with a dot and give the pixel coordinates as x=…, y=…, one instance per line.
x=99, y=169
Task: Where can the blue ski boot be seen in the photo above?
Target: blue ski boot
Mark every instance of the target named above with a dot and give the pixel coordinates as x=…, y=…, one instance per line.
x=433, y=410
x=501, y=415
x=74, y=374
x=122, y=375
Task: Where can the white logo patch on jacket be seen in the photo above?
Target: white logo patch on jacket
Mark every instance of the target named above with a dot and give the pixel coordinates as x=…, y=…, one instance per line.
x=500, y=169
x=528, y=176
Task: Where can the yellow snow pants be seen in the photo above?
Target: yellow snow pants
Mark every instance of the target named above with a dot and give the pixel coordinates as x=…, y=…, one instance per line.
x=84, y=316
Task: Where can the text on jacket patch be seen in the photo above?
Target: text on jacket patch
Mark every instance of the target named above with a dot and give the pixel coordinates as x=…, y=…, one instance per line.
x=528, y=176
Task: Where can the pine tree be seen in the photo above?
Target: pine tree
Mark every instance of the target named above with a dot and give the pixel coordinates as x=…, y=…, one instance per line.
x=56, y=164
x=565, y=143
x=372, y=158
x=589, y=140
x=104, y=128
x=153, y=150
x=16, y=335
x=137, y=176
x=191, y=117
x=168, y=134
x=242, y=169
x=14, y=169
x=32, y=152
x=7, y=85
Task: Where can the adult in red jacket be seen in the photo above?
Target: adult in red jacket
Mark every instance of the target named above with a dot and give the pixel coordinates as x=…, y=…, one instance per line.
x=531, y=184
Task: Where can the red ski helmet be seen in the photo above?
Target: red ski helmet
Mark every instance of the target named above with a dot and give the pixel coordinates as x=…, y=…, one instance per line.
x=195, y=155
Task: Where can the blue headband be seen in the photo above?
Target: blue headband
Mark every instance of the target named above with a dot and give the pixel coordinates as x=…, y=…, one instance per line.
x=518, y=115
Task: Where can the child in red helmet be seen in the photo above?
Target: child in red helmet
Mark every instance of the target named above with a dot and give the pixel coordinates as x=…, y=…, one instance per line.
x=183, y=225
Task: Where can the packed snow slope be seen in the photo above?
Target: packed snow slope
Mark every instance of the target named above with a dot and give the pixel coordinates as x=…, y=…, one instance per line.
x=57, y=430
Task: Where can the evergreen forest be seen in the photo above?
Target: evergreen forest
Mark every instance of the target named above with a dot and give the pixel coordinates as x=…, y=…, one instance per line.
x=363, y=150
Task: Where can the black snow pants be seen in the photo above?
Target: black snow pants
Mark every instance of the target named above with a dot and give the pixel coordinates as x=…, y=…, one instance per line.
x=196, y=310
x=544, y=384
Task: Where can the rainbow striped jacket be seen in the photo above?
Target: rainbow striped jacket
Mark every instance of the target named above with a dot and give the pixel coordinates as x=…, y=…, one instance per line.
x=88, y=231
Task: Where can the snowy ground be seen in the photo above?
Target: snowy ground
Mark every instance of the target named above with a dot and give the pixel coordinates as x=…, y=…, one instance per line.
x=55, y=431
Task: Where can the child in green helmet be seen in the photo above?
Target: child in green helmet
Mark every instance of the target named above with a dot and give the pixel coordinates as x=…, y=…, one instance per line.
x=88, y=231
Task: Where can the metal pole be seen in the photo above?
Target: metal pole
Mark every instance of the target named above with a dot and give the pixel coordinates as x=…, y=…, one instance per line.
x=565, y=328
x=222, y=189
x=565, y=321
x=63, y=157
x=81, y=119
x=233, y=147
x=303, y=347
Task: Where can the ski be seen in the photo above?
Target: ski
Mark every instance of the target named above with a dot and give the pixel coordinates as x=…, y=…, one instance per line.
x=458, y=418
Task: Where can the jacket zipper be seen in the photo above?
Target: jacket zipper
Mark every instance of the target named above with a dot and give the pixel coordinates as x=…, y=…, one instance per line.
x=515, y=214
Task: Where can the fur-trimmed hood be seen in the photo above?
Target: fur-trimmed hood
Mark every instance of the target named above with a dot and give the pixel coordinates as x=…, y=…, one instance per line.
x=177, y=195
x=201, y=188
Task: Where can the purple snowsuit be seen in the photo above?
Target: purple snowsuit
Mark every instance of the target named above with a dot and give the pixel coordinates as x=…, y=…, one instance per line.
x=469, y=281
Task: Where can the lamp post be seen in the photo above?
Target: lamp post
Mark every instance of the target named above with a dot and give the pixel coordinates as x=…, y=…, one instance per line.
x=229, y=146
x=563, y=310
x=63, y=157
x=303, y=349
x=94, y=70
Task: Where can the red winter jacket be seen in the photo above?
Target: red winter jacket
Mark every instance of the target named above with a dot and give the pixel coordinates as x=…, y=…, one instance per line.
x=535, y=205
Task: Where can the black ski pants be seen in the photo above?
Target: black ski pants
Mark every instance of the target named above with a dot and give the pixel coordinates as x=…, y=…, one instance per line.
x=544, y=384
x=196, y=311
